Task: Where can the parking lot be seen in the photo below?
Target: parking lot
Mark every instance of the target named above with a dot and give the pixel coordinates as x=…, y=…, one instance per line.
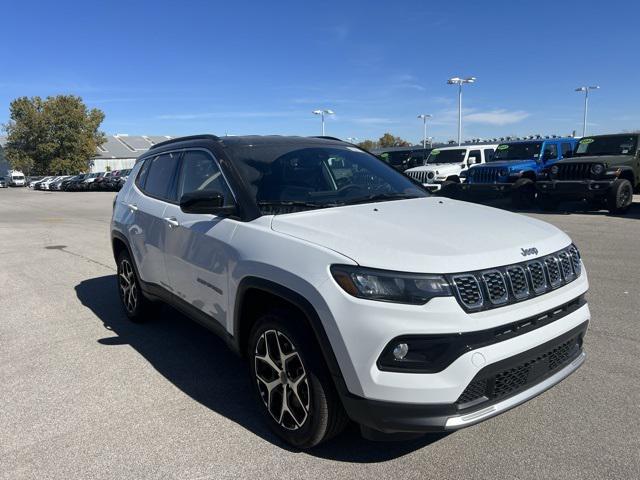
x=87, y=394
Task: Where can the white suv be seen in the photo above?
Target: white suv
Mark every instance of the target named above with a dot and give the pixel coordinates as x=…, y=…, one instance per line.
x=447, y=163
x=315, y=261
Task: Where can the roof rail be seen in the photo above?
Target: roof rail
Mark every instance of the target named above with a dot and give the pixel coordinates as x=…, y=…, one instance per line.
x=326, y=137
x=184, y=139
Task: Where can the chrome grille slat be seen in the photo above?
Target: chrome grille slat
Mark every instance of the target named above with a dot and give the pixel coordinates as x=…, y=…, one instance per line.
x=485, y=289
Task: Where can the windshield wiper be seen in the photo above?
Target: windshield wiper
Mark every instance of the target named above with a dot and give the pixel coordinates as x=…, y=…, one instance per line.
x=379, y=197
x=296, y=203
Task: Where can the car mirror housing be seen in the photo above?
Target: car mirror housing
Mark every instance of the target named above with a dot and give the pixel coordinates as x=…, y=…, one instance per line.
x=206, y=202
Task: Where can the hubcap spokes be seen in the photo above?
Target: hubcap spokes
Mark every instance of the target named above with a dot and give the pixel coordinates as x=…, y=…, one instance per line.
x=282, y=380
x=128, y=287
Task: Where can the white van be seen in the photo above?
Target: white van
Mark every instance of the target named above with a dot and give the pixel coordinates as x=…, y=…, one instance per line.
x=16, y=178
x=446, y=164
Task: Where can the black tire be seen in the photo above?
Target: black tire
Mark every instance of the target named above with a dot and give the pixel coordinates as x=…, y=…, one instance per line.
x=523, y=193
x=547, y=202
x=313, y=412
x=620, y=196
x=136, y=306
x=450, y=189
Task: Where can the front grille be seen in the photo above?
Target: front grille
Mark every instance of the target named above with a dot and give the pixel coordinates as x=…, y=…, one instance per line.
x=486, y=175
x=496, y=287
x=490, y=384
x=573, y=171
x=419, y=175
x=492, y=288
x=468, y=289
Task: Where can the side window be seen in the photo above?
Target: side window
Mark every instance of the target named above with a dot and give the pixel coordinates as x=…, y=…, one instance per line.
x=159, y=178
x=200, y=172
x=476, y=154
x=142, y=174
x=550, y=151
x=488, y=154
x=567, y=149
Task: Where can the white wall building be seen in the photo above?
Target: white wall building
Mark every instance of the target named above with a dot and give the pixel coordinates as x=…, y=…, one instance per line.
x=121, y=151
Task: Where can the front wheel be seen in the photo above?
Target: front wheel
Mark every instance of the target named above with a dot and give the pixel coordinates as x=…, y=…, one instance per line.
x=620, y=196
x=524, y=193
x=292, y=383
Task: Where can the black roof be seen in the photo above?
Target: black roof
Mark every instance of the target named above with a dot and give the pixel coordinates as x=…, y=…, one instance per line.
x=254, y=140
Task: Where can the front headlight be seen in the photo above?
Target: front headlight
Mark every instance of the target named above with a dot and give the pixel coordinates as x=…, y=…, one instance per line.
x=387, y=286
x=554, y=170
x=597, y=168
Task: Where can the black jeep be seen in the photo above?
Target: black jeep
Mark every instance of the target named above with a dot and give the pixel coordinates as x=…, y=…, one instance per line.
x=604, y=170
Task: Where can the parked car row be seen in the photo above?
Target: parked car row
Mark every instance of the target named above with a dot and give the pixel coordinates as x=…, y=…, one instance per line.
x=105, y=181
x=602, y=169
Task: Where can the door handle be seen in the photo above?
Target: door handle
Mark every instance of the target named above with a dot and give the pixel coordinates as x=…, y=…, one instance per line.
x=132, y=206
x=172, y=222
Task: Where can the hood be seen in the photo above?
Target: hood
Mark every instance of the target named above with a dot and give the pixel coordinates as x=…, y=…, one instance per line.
x=441, y=167
x=510, y=164
x=428, y=235
x=609, y=159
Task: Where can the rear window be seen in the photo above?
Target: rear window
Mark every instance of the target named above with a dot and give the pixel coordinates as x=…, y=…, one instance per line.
x=160, y=175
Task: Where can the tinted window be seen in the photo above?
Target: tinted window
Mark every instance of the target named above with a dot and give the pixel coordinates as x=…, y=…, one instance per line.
x=476, y=154
x=160, y=176
x=142, y=174
x=200, y=172
x=567, y=148
x=550, y=151
x=282, y=177
x=488, y=154
x=607, y=145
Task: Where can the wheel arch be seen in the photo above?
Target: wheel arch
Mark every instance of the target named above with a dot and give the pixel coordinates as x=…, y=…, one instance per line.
x=255, y=293
x=628, y=174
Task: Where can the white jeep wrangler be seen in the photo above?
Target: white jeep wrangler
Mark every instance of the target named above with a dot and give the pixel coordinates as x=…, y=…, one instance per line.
x=446, y=164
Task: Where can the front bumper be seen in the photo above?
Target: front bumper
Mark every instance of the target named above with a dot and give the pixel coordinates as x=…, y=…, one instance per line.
x=577, y=189
x=507, y=384
x=486, y=189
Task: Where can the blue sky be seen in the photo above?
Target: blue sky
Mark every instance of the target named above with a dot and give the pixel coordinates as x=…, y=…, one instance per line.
x=241, y=67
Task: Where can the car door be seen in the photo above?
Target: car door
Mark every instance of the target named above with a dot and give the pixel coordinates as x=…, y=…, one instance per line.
x=197, y=250
x=147, y=202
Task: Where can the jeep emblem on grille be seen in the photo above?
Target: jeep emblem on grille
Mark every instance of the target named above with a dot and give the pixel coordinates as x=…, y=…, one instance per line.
x=529, y=251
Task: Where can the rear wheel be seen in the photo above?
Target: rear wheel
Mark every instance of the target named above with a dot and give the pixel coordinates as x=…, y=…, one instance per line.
x=292, y=383
x=135, y=305
x=523, y=194
x=620, y=196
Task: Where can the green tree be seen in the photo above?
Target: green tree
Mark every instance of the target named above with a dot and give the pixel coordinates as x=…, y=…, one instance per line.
x=387, y=140
x=367, y=144
x=56, y=135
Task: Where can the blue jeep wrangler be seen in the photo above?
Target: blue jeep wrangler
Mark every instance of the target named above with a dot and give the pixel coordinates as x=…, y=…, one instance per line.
x=514, y=169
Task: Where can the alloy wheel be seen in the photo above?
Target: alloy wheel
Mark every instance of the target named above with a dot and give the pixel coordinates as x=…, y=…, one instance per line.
x=282, y=379
x=128, y=286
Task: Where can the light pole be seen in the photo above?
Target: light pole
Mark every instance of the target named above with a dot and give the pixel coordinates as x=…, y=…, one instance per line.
x=424, y=117
x=460, y=81
x=586, y=105
x=322, y=113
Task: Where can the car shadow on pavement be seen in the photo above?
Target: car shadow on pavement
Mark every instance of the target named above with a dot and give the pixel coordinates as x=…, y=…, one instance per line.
x=200, y=364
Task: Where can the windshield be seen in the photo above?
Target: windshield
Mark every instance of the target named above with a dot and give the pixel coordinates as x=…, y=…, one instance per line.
x=395, y=158
x=517, y=151
x=607, y=145
x=284, y=178
x=17, y=177
x=446, y=156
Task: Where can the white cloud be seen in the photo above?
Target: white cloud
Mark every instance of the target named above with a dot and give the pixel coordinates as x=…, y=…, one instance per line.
x=497, y=117
x=198, y=116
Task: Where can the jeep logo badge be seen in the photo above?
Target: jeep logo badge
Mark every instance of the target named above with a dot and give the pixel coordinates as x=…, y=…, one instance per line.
x=529, y=251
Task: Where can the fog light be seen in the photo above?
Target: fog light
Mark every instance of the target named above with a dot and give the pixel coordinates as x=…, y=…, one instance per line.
x=400, y=351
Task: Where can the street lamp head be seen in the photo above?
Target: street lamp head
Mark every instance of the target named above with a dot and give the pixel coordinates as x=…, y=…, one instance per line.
x=454, y=81
x=595, y=87
x=469, y=80
x=424, y=116
x=581, y=89
x=329, y=112
x=317, y=112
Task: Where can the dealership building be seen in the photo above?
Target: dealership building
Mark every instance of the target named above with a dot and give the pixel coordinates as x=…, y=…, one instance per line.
x=118, y=152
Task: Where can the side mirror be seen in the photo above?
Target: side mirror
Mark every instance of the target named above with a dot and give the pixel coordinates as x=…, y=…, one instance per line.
x=472, y=161
x=206, y=202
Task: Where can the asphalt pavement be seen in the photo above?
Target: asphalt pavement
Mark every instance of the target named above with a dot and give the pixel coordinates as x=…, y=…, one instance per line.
x=86, y=394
